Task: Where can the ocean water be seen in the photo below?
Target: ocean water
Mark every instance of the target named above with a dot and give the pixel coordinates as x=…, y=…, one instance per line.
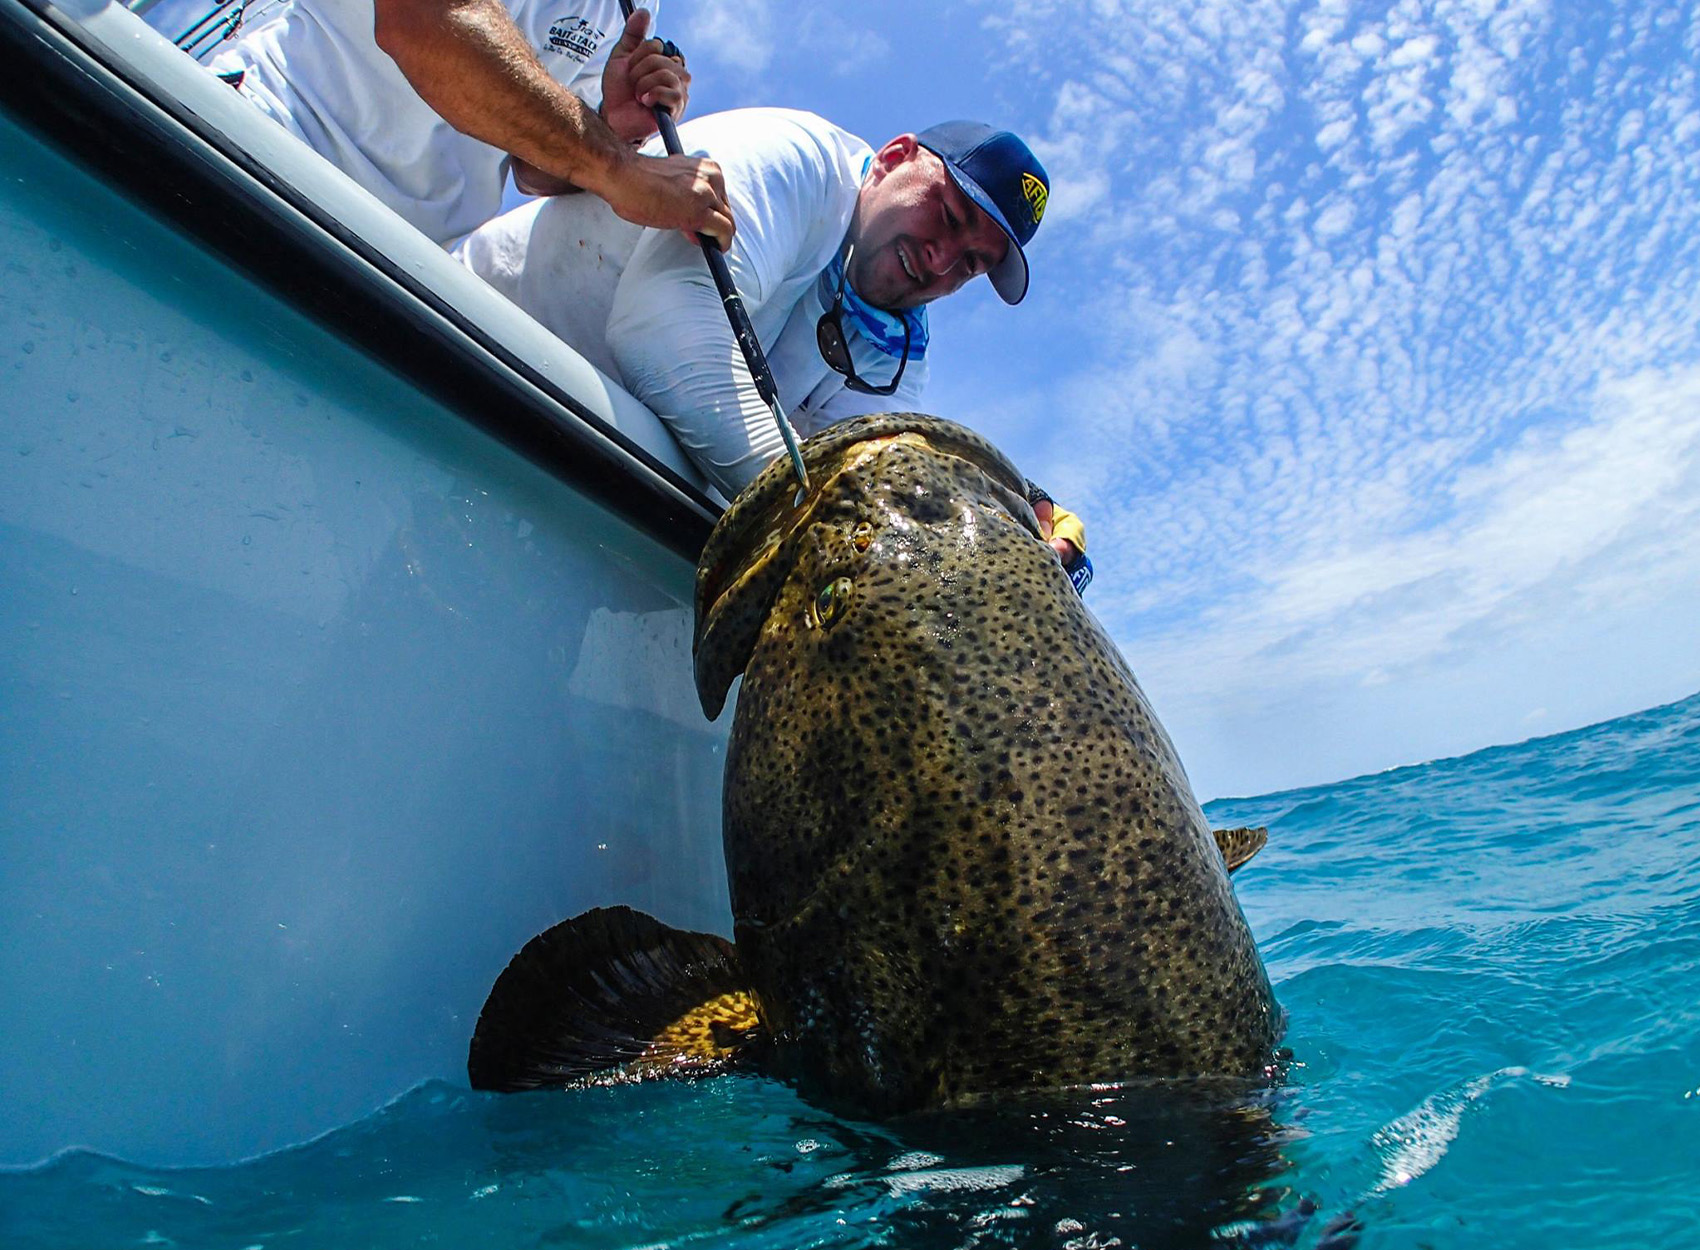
x=1491, y=967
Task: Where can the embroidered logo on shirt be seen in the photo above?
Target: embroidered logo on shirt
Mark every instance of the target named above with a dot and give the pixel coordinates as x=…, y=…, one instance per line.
x=1036, y=195
x=574, y=37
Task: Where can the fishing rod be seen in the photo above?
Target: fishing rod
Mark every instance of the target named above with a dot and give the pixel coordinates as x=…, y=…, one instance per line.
x=216, y=24
x=754, y=357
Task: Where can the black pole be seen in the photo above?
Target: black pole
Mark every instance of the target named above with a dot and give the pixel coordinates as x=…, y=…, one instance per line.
x=742, y=331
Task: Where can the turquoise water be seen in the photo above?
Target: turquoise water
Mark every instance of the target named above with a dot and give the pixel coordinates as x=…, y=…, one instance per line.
x=1492, y=969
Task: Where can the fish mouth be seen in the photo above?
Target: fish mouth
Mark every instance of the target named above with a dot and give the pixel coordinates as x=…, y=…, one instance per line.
x=748, y=556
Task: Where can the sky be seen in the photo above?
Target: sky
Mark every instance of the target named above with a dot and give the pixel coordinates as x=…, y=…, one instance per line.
x=1361, y=336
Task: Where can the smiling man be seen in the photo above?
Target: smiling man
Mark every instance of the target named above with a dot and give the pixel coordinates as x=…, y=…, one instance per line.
x=839, y=249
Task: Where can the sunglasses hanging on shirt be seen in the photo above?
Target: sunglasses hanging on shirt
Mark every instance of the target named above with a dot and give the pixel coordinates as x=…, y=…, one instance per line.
x=835, y=346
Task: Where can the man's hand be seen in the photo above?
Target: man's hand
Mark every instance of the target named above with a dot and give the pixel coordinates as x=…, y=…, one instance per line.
x=686, y=193
x=1066, y=551
x=637, y=78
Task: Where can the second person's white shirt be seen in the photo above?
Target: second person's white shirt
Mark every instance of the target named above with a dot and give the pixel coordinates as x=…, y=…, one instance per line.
x=317, y=69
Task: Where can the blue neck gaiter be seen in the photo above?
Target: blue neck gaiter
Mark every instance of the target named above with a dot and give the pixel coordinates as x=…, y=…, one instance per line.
x=881, y=328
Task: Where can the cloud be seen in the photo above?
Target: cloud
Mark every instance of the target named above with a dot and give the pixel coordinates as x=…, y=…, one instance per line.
x=739, y=39
x=743, y=42
x=848, y=49
x=1383, y=336
x=1597, y=515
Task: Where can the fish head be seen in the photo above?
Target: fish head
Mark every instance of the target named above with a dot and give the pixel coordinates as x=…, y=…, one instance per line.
x=790, y=564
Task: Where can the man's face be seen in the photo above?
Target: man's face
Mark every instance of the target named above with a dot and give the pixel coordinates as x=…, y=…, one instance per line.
x=917, y=236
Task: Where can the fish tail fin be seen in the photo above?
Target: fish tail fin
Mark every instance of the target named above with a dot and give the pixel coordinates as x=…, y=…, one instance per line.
x=614, y=991
x=1239, y=845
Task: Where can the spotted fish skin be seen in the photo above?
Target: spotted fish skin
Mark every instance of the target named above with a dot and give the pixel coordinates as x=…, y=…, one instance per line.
x=963, y=854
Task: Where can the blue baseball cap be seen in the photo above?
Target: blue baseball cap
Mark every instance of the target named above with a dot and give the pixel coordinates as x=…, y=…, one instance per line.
x=999, y=173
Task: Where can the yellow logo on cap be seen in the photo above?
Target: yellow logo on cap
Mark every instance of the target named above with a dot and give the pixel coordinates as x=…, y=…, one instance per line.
x=1036, y=195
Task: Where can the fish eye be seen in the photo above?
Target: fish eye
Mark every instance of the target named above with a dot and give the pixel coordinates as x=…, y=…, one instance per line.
x=863, y=537
x=831, y=601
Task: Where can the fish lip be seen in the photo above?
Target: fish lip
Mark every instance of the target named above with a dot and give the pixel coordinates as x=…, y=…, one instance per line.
x=753, y=535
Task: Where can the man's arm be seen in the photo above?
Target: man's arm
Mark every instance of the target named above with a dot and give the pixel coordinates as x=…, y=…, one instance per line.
x=471, y=64
x=669, y=337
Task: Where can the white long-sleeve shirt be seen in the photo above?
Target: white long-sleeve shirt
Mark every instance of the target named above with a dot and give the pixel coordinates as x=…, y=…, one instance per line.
x=641, y=305
x=317, y=70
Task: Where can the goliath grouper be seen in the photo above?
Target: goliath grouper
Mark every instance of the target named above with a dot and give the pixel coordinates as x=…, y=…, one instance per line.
x=963, y=855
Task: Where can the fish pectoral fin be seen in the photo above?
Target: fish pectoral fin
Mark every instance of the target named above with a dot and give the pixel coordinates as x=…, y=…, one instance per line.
x=614, y=992
x=1239, y=845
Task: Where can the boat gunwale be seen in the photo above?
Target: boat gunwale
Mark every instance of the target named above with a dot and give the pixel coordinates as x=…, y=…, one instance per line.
x=65, y=88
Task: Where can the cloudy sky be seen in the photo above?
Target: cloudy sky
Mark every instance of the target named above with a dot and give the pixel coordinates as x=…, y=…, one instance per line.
x=1363, y=337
